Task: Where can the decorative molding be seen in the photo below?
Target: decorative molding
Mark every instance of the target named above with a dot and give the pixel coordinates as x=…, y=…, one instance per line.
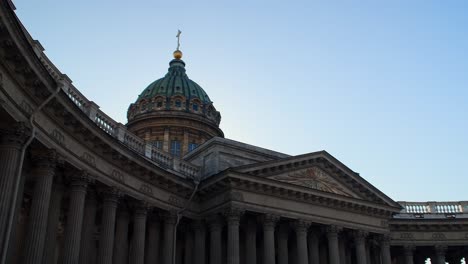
x=407, y=236
x=118, y=176
x=26, y=107
x=145, y=188
x=234, y=196
x=176, y=201
x=89, y=159
x=58, y=137
x=438, y=236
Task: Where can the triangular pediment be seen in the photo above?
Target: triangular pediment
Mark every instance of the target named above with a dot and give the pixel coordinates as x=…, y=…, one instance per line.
x=319, y=171
x=315, y=178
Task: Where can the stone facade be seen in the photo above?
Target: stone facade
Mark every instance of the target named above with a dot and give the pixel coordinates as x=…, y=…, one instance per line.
x=78, y=187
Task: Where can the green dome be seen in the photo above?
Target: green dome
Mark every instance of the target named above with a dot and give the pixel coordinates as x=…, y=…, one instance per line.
x=176, y=82
x=174, y=93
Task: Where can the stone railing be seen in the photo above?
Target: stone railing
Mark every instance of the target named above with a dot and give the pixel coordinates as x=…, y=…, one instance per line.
x=120, y=132
x=434, y=207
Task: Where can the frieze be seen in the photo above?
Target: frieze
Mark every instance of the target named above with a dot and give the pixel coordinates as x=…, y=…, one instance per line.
x=26, y=107
x=384, y=223
x=58, y=137
x=88, y=159
x=176, y=201
x=118, y=176
x=407, y=236
x=438, y=236
x=234, y=196
x=145, y=188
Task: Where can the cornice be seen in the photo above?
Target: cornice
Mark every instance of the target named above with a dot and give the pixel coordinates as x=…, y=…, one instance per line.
x=230, y=180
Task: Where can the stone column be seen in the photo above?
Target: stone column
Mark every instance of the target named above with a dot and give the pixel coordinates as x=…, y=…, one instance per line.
x=200, y=232
x=269, y=223
x=139, y=233
x=408, y=252
x=121, y=237
x=154, y=237
x=170, y=219
x=385, y=249
x=360, y=241
x=440, y=254
x=233, y=216
x=72, y=240
x=301, y=240
x=52, y=223
x=189, y=245
x=215, y=225
x=251, y=241
x=342, y=244
x=109, y=210
x=11, y=141
x=44, y=171
x=313, y=242
x=333, y=250
x=283, y=233
x=88, y=229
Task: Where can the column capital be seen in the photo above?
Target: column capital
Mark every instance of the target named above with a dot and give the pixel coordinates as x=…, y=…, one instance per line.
x=300, y=225
x=440, y=249
x=15, y=135
x=81, y=179
x=110, y=194
x=333, y=231
x=140, y=208
x=233, y=214
x=169, y=217
x=269, y=220
x=360, y=235
x=198, y=224
x=44, y=158
x=384, y=238
x=215, y=222
x=408, y=250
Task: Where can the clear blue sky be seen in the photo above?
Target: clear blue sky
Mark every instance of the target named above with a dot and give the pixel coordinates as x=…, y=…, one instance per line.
x=381, y=85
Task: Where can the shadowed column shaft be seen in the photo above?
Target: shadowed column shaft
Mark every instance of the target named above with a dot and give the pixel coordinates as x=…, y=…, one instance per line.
x=71, y=247
x=169, y=225
x=152, y=250
x=333, y=251
x=106, y=243
x=385, y=249
x=301, y=239
x=121, y=238
x=189, y=244
x=251, y=242
x=138, y=242
x=233, y=238
x=269, y=240
x=37, y=227
x=88, y=229
x=361, y=253
x=52, y=224
x=199, y=243
x=314, y=254
x=283, y=255
x=215, y=242
x=11, y=141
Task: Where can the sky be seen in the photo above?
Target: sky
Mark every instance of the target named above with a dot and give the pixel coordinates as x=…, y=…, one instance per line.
x=380, y=85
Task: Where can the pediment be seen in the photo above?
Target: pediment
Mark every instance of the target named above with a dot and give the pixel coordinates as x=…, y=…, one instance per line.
x=319, y=171
x=314, y=178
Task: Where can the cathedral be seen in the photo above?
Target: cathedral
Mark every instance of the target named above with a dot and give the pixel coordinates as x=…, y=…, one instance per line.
x=77, y=187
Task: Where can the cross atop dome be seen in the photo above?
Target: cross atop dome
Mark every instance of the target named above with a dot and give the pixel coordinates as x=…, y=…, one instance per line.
x=178, y=53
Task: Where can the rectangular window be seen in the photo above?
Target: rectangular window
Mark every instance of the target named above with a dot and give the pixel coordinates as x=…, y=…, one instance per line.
x=192, y=146
x=175, y=148
x=158, y=144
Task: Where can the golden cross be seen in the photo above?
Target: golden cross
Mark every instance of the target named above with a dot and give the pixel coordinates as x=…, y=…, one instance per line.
x=178, y=38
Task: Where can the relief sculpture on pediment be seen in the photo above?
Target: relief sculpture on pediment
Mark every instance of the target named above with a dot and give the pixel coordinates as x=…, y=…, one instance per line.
x=313, y=178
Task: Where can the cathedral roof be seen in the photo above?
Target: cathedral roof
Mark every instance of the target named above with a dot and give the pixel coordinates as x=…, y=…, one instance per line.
x=175, y=82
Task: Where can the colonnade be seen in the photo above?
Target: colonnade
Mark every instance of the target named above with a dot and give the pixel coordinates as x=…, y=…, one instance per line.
x=68, y=217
